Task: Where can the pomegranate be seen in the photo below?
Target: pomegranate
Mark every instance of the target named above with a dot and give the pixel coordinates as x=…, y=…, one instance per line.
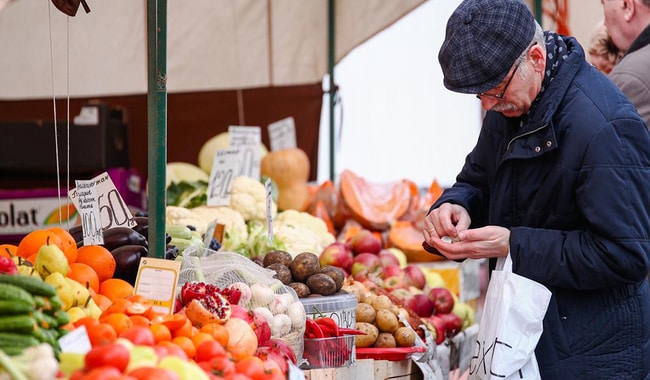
x=209, y=309
x=198, y=290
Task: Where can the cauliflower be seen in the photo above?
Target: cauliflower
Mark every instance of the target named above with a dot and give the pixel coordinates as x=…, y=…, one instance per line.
x=248, y=196
x=235, y=230
x=34, y=363
x=294, y=232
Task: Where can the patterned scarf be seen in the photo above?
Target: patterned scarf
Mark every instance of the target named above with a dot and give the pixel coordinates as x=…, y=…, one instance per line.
x=556, y=53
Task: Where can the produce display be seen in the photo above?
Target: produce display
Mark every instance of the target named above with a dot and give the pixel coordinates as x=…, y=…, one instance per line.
x=240, y=310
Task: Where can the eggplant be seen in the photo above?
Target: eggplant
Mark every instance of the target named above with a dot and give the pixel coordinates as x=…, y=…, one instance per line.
x=77, y=233
x=127, y=261
x=142, y=225
x=118, y=236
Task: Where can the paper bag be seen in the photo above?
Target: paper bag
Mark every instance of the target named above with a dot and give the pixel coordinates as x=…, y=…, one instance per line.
x=510, y=327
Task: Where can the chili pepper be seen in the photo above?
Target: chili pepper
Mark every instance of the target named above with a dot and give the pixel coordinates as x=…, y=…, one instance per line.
x=329, y=326
x=348, y=331
x=313, y=330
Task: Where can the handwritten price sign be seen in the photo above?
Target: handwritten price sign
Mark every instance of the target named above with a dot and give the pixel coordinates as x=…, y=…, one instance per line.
x=88, y=207
x=282, y=134
x=247, y=140
x=113, y=211
x=224, y=170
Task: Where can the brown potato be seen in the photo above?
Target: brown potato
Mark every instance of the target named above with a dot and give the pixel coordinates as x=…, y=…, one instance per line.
x=385, y=340
x=322, y=284
x=386, y=321
x=371, y=334
x=365, y=313
x=404, y=337
x=304, y=265
x=381, y=302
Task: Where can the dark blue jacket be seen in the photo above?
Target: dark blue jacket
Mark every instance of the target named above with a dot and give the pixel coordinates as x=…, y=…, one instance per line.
x=573, y=186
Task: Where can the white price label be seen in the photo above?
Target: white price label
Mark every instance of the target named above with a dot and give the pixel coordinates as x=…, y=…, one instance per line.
x=282, y=134
x=113, y=210
x=269, y=208
x=157, y=280
x=88, y=207
x=224, y=169
x=248, y=141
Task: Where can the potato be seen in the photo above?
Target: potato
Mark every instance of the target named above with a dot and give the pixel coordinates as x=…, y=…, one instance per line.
x=282, y=272
x=322, y=284
x=371, y=334
x=385, y=340
x=337, y=274
x=277, y=257
x=301, y=289
x=304, y=265
x=386, y=321
x=365, y=313
x=381, y=302
x=357, y=289
x=404, y=337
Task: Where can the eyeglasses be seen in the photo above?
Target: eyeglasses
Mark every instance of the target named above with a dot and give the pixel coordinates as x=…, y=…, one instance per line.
x=501, y=95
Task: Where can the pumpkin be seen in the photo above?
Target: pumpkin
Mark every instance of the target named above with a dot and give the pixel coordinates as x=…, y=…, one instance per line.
x=289, y=169
x=373, y=205
x=407, y=237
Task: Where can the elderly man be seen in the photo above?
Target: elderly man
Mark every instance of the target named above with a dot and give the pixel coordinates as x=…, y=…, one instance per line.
x=559, y=180
x=628, y=23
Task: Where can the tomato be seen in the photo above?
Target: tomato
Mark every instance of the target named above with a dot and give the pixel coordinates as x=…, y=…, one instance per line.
x=112, y=355
x=139, y=335
x=153, y=373
x=102, y=373
x=209, y=349
x=221, y=365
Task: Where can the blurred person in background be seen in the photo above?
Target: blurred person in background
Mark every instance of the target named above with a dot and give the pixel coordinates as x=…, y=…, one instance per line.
x=559, y=179
x=603, y=54
x=628, y=24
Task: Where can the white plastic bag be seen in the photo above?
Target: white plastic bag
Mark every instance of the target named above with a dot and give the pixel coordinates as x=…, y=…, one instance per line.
x=510, y=327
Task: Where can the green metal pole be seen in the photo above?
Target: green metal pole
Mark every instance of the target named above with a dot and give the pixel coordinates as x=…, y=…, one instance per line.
x=538, y=11
x=332, y=88
x=157, y=123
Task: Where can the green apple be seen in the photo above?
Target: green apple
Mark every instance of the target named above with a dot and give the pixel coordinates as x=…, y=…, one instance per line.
x=465, y=312
x=401, y=256
x=434, y=279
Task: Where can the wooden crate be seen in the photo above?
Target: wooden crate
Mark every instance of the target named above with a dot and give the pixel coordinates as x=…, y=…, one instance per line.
x=368, y=369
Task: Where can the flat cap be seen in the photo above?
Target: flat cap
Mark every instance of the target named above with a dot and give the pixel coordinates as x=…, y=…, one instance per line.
x=483, y=40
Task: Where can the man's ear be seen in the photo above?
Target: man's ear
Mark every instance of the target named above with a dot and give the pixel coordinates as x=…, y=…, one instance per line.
x=538, y=56
x=629, y=8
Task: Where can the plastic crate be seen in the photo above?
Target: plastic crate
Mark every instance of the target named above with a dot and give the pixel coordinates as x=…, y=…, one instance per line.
x=329, y=352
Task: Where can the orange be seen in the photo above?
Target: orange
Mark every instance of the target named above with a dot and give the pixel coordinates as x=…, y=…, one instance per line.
x=99, y=258
x=218, y=332
x=33, y=241
x=173, y=321
x=160, y=333
x=120, y=305
x=101, y=334
x=201, y=337
x=140, y=305
x=68, y=244
x=85, y=275
x=120, y=322
x=115, y=288
x=186, y=330
x=8, y=250
x=32, y=258
x=139, y=320
x=102, y=301
x=186, y=345
x=89, y=322
x=251, y=366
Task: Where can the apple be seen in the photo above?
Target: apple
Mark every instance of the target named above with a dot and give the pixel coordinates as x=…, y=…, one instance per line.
x=442, y=300
x=465, y=312
x=392, y=271
x=421, y=305
x=452, y=323
x=434, y=279
x=365, y=261
x=365, y=242
x=401, y=256
x=337, y=254
x=436, y=325
x=388, y=259
x=393, y=282
x=402, y=294
x=414, y=276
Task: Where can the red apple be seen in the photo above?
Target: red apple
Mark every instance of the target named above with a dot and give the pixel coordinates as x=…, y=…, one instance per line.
x=337, y=254
x=453, y=324
x=365, y=261
x=393, y=282
x=414, y=276
x=393, y=271
x=387, y=258
x=421, y=305
x=436, y=325
x=365, y=242
x=402, y=294
x=442, y=300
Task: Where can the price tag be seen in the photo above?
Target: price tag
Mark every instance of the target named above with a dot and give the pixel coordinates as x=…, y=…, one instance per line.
x=248, y=141
x=113, y=210
x=76, y=341
x=269, y=212
x=88, y=207
x=157, y=280
x=282, y=134
x=224, y=170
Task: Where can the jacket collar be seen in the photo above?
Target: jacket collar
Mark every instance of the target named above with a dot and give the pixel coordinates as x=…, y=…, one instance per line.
x=641, y=40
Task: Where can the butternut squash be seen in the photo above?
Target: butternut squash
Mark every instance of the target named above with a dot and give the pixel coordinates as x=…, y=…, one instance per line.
x=289, y=169
x=375, y=206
